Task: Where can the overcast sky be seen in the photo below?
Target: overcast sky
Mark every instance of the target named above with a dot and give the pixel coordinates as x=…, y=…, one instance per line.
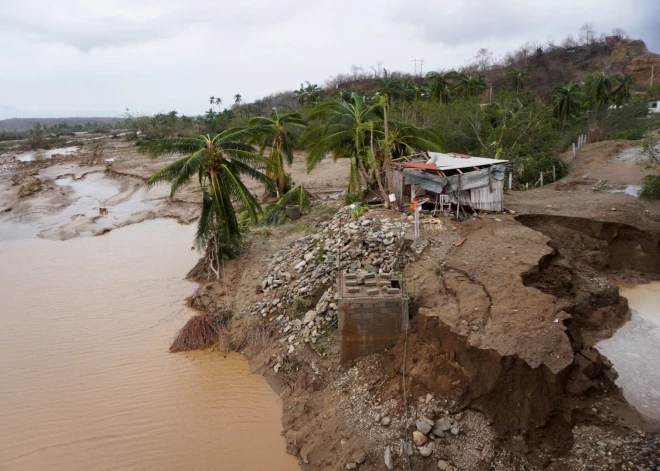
x=63, y=57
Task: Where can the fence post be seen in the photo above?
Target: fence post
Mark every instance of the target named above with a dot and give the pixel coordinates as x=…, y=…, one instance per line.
x=541, y=178
x=554, y=174
x=527, y=186
x=574, y=149
x=510, y=180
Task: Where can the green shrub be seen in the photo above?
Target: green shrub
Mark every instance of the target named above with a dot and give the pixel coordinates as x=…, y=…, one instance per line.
x=651, y=187
x=630, y=134
x=351, y=198
x=358, y=211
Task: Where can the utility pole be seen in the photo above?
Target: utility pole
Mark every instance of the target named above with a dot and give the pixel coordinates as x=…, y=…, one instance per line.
x=652, y=69
x=421, y=66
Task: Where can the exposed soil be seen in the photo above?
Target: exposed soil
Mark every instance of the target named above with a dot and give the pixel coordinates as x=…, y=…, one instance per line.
x=502, y=326
x=500, y=344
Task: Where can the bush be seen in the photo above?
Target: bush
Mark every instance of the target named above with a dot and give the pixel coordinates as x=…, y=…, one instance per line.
x=351, y=198
x=651, y=187
x=358, y=211
x=630, y=134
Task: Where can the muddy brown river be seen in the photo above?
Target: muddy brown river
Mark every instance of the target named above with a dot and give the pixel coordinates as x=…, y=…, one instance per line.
x=86, y=382
x=634, y=349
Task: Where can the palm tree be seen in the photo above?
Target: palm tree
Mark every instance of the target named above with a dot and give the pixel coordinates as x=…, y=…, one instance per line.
x=599, y=87
x=313, y=92
x=301, y=93
x=388, y=85
x=407, y=89
x=354, y=129
x=219, y=163
x=238, y=99
x=418, y=91
x=622, y=90
x=280, y=131
x=518, y=79
x=342, y=132
x=566, y=101
x=440, y=87
x=342, y=94
x=470, y=85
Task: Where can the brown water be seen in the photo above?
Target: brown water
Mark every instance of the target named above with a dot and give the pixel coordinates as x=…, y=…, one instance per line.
x=634, y=349
x=86, y=382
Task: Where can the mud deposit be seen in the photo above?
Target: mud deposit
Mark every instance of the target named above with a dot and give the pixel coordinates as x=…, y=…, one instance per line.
x=635, y=348
x=86, y=380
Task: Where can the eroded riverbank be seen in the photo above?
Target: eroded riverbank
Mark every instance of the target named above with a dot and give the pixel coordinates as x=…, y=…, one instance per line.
x=87, y=382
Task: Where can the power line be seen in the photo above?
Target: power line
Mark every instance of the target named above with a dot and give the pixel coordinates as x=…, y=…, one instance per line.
x=421, y=66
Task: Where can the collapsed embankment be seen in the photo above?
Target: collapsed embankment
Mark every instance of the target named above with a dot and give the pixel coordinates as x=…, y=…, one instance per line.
x=502, y=330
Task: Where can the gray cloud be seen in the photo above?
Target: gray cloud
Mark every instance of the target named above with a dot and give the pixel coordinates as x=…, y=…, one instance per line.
x=158, y=55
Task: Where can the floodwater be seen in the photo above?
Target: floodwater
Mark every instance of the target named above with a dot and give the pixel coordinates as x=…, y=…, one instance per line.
x=86, y=381
x=45, y=154
x=634, y=349
x=80, y=215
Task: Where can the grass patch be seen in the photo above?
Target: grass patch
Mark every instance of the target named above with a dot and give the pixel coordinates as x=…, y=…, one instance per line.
x=358, y=211
x=300, y=228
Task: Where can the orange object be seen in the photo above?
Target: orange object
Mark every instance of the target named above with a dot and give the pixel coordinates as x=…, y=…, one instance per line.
x=460, y=241
x=412, y=205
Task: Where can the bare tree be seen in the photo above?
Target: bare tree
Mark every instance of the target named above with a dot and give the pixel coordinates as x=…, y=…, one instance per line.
x=484, y=59
x=587, y=33
x=619, y=33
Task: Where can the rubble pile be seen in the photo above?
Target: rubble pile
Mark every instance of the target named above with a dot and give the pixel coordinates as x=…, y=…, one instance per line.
x=299, y=287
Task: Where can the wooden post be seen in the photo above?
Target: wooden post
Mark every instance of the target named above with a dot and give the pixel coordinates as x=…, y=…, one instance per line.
x=526, y=186
x=510, y=180
x=458, y=196
x=574, y=149
x=554, y=174
x=417, y=209
x=541, y=178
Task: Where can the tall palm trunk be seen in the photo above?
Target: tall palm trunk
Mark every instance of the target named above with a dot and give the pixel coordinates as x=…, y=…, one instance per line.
x=367, y=178
x=383, y=193
x=388, y=163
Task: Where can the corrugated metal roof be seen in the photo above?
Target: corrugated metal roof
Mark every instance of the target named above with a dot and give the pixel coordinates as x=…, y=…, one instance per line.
x=418, y=165
x=450, y=162
x=462, y=156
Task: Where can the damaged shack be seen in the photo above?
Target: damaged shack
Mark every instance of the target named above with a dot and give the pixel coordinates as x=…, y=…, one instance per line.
x=450, y=179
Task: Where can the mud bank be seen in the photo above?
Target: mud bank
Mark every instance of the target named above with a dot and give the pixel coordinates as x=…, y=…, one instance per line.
x=65, y=201
x=500, y=347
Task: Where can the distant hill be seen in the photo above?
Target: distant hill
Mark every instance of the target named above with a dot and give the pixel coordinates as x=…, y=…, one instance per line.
x=547, y=65
x=22, y=124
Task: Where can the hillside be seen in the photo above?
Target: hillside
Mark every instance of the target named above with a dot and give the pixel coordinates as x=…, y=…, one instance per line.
x=547, y=66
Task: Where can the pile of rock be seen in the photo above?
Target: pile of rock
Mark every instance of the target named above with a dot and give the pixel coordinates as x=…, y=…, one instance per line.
x=299, y=287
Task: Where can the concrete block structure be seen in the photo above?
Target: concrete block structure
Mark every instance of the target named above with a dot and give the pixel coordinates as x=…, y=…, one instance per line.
x=373, y=313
